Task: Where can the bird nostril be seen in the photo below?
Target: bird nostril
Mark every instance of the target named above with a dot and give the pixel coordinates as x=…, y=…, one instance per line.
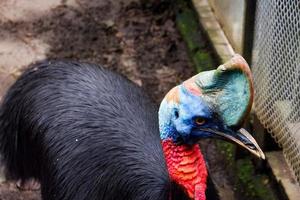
x=251, y=146
x=176, y=114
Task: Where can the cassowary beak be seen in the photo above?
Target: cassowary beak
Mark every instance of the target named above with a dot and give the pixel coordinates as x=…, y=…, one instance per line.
x=240, y=137
x=229, y=92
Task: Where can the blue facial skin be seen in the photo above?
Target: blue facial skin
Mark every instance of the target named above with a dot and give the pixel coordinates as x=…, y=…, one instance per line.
x=178, y=121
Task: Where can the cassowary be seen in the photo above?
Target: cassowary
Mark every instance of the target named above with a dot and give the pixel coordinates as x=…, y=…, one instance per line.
x=87, y=133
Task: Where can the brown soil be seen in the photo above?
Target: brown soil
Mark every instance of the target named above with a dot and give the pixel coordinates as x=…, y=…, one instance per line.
x=139, y=40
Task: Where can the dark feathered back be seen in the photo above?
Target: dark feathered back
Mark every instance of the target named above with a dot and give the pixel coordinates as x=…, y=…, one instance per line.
x=85, y=133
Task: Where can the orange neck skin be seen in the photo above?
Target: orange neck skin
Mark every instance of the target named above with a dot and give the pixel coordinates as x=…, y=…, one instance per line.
x=186, y=167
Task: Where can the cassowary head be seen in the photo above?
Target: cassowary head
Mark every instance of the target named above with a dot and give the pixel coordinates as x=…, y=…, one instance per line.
x=211, y=104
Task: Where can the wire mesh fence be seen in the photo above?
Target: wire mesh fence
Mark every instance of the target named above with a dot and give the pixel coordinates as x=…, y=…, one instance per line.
x=276, y=70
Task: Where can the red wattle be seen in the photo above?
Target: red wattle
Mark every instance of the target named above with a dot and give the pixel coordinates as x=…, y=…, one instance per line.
x=186, y=167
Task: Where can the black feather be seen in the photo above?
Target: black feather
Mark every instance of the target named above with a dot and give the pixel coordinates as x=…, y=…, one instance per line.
x=85, y=132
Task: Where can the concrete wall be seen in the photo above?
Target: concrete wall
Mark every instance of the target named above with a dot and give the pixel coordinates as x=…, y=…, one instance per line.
x=231, y=15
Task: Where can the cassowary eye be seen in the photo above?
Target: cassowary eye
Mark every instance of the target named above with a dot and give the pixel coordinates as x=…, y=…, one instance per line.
x=199, y=121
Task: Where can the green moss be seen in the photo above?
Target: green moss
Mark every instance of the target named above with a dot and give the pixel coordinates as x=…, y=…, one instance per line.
x=188, y=29
x=202, y=60
x=227, y=150
x=250, y=184
x=188, y=26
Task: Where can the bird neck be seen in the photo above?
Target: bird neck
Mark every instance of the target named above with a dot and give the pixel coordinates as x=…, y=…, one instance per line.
x=186, y=167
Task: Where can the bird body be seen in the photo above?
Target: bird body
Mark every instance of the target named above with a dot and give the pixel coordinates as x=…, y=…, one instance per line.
x=87, y=133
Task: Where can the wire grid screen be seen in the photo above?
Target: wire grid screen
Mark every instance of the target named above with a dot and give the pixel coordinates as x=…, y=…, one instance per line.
x=276, y=71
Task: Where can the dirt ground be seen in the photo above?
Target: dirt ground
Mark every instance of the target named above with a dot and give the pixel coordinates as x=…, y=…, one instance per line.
x=136, y=38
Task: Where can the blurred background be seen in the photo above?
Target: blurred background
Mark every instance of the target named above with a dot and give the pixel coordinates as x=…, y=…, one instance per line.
x=159, y=43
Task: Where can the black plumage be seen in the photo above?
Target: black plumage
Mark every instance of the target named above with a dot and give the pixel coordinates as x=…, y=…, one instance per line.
x=85, y=133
